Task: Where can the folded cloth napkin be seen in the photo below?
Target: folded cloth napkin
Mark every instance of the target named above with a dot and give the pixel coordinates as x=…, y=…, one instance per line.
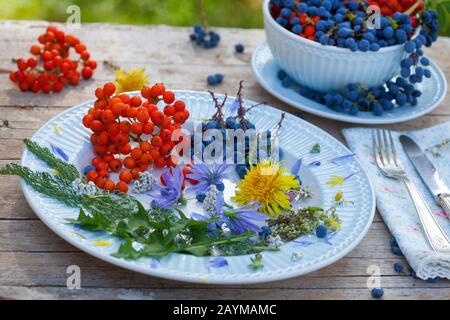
x=394, y=202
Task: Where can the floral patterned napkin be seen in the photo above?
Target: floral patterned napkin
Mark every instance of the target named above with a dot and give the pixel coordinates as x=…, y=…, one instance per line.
x=394, y=202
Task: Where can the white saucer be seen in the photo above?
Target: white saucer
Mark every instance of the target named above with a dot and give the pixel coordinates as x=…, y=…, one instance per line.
x=265, y=70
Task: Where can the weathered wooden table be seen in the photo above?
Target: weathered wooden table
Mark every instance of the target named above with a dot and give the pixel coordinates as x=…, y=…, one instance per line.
x=33, y=260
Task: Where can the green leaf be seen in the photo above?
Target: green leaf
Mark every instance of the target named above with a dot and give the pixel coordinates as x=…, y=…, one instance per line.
x=126, y=251
x=94, y=223
x=256, y=262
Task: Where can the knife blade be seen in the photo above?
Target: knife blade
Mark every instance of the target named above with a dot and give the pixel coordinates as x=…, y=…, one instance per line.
x=428, y=172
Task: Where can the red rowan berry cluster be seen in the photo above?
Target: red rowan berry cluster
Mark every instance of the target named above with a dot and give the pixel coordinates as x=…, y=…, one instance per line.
x=132, y=133
x=51, y=67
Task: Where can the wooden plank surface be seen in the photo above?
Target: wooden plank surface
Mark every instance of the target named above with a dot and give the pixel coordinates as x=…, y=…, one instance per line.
x=33, y=260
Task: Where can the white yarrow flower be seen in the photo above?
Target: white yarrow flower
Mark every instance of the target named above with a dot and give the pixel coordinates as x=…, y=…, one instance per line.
x=209, y=204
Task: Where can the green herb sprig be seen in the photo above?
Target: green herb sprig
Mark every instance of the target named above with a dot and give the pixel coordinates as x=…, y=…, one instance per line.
x=158, y=232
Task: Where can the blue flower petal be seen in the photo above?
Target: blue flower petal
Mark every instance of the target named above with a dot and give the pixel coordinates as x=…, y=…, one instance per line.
x=338, y=160
x=315, y=164
x=297, y=166
x=218, y=262
x=58, y=151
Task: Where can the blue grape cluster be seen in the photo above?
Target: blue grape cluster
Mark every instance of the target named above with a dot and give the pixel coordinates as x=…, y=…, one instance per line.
x=204, y=38
x=215, y=79
x=430, y=27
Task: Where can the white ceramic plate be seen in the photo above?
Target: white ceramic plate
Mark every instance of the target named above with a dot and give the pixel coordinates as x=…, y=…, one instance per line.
x=265, y=70
x=297, y=139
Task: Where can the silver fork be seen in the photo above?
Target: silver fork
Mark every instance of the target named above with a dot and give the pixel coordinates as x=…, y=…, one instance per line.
x=390, y=165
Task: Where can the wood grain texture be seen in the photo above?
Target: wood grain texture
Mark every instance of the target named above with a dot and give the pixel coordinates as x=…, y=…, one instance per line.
x=33, y=260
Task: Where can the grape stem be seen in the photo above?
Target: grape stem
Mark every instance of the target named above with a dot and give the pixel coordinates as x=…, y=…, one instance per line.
x=203, y=21
x=218, y=115
x=413, y=8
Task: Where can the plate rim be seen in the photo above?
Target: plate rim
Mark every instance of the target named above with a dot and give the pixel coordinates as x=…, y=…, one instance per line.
x=343, y=117
x=191, y=278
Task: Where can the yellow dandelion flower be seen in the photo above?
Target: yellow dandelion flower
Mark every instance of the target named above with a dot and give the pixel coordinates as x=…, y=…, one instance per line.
x=267, y=184
x=130, y=81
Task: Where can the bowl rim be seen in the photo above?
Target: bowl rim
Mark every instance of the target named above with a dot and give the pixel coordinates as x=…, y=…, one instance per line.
x=291, y=35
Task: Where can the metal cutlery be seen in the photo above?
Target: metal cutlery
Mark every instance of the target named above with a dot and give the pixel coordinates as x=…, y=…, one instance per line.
x=427, y=171
x=387, y=159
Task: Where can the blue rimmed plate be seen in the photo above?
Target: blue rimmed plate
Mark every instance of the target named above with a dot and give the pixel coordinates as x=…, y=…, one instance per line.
x=265, y=70
x=295, y=258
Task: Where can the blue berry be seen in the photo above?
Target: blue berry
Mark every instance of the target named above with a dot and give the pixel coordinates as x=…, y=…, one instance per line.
x=211, y=125
x=286, y=13
x=241, y=170
x=410, y=46
x=405, y=72
x=412, y=272
x=212, y=80
x=88, y=168
x=377, y=293
x=239, y=48
x=374, y=47
x=364, y=45
x=398, y=267
x=434, y=280
x=321, y=231
x=302, y=7
x=388, y=32
x=281, y=75
x=424, y=61
x=286, y=82
x=219, y=77
x=297, y=29
x=265, y=232
x=220, y=186
x=230, y=122
x=200, y=196
x=396, y=251
x=378, y=110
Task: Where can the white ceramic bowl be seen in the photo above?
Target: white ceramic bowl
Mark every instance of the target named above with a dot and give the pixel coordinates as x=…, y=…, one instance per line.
x=326, y=68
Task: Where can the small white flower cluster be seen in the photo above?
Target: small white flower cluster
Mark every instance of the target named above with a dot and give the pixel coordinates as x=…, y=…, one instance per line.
x=274, y=242
x=296, y=257
x=81, y=188
x=302, y=193
x=214, y=251
x=183, y=239
x=144, y=183
x=225, y=230
x=209, y=204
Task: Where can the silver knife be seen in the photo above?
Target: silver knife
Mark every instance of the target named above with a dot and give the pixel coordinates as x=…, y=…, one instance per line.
x=427, y=172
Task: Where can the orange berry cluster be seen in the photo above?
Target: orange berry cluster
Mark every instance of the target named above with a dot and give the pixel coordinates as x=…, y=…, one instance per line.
x=51, y=68
x=132, y=133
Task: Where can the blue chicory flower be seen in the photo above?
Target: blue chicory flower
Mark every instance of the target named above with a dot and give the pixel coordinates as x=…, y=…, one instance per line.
x=171, y=194
x=238, y=220
x=207, y=175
